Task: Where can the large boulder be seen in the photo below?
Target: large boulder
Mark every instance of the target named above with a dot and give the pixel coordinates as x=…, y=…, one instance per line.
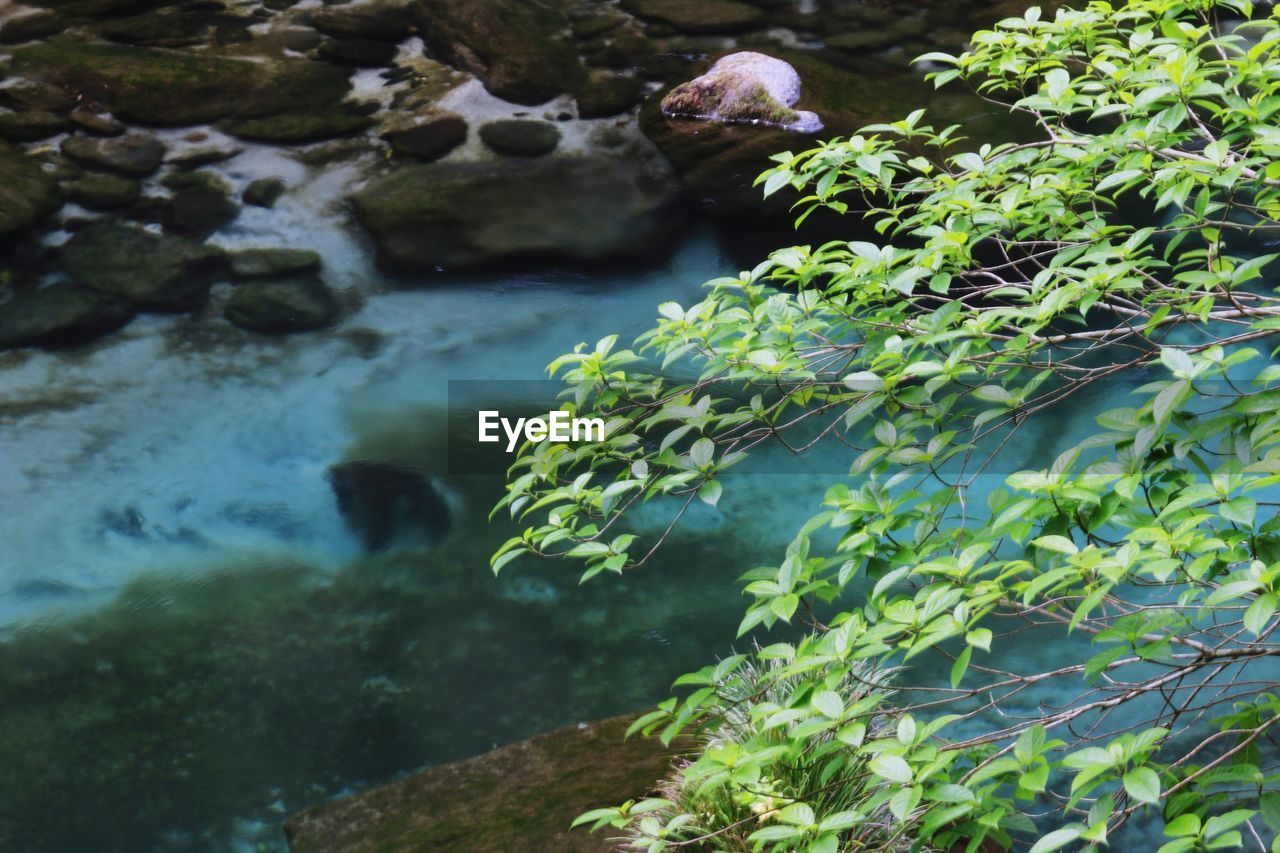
x=151, y=271
x=174, y=88
x=58, y=315
x=520, y=49
x=27, y=194
x=744, y=88
x=575, y=208
x=386, y=504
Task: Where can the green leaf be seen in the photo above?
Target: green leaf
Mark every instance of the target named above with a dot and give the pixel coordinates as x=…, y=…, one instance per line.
x=891, y=768
x=1057, y=839
x=1143, y=785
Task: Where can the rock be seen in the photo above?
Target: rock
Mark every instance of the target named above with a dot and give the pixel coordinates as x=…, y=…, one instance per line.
x=520, y=138
x=430, y=140
x=301, y=40
x=264, y=192
x=299, y=126
x=103, y=191
x=385, y=504
x=31, y=27
x=289, y=305
x=134, y=154
x=866, y=39
x=519, y=49
x=32, y=126
x=59, y=315
x=174, y=88
x=205, y=156
x=466, y=215
x=166, y=28
x=36, y=95
x=201, y=202
x=522, y=796
x=609, y=94
x=362, y=53
x=151, y=271
x=27, y=193
x=97, y=124
x=380, y=21
x=698, y=16
x=264, y=263
x=744, y=88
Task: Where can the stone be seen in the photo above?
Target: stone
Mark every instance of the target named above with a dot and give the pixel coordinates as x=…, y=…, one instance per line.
x=608, y=94
x=201, y=202
x=391, y=22
x=577, y=208
x=134, y=154
x=698, y=16
x=265, y=263
x=522, y=796
x=288, y=305
x=27, y=193
x=362, y=53
x=97, y=124
x=520, y=138
x=37, y=25
x=151, y=271
x=264, y=192
x=174, y=88
x=32, y=126
x=300, y=126
x=301, y=40
x=59, y=315
x=744, y=88
x=386, y=504
x=430, y=140
x=206, y=155
x=36, y=95
x=165, y=28
x=519, y=49
x=103, y=191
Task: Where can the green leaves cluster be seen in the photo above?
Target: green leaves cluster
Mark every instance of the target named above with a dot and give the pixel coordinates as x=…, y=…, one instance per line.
x=1124, y=249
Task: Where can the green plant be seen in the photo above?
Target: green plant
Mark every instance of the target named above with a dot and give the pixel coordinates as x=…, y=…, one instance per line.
x=1015, y=282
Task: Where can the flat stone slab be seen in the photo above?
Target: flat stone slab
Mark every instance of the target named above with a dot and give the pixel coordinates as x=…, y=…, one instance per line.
x=517, y=798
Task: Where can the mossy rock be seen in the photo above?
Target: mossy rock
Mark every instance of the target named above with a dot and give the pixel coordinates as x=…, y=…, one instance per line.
x=290, y=305
x=37, y=25
x=522, y=796
x=97, y=124
x=169, y=28
x=58, y=316
x=520, y=137
x=103, y=191
x=151, y=271
x=358, y=52
x=172, y=88
x=479, y=214
x=518, y=48
x=135, y=154
x=103, y=8
x=430, y=140
x=264, y=192
x=698, y=16
x=32, y=126
x=607, y=94
x=36, y=95
x=27, y=193
x=381, y=21
x=300, y=126
x=201, y=203
x=264, y=263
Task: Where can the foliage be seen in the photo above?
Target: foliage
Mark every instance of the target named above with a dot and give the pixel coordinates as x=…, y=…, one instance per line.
x=1012, y=285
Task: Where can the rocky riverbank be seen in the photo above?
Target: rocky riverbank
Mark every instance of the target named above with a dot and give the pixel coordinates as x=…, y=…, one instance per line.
x=452, y=135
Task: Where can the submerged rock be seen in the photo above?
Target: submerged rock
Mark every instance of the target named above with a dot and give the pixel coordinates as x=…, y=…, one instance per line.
x=467, y=215
x=744, y=88
x=608, y=94
x=430, y=140
x=385, y=503
x=59, y=315
x=520, y=138
x=96, y=124
x=201, y=202
x=299, y=126
x=174, y=88
x=151, y=271
x=288, y=305
x=27, y=193
x=134, y=154
x=522, y=796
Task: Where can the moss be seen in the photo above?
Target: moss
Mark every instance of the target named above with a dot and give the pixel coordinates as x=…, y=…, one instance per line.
x=27, y=194
x=300, y=126
x=166, y=87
